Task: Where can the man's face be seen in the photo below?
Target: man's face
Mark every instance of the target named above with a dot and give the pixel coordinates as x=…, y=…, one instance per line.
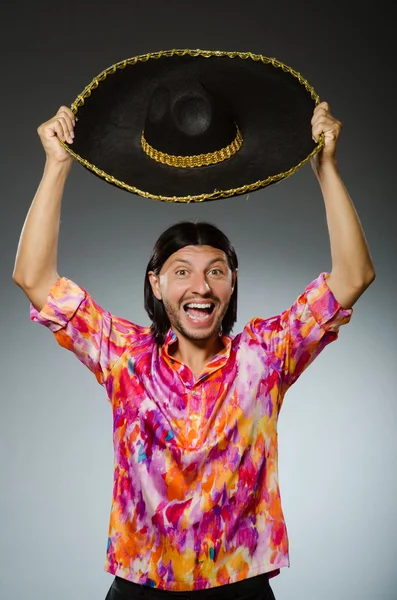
x=195, y=285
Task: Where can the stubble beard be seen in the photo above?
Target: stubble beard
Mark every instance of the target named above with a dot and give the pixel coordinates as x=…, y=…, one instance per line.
x=176, y=324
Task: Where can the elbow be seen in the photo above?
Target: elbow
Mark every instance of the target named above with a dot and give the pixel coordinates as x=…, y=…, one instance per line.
x=369, y=277
x=361, y=276
x=356, y=279
x=347, y=287
x=31, y=283
x=17, y=279
x=364, y=281
x=20, y=280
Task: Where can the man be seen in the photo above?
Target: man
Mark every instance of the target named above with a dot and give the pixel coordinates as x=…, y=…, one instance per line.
x=196, y=503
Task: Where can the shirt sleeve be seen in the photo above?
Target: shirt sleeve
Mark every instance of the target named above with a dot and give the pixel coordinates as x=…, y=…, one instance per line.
x=297, y=336
x=80, y=325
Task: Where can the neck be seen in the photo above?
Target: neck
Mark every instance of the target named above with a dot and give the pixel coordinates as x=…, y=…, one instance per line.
x=196, y=353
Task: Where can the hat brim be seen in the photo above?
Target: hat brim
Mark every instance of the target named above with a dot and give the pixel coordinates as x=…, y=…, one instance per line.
x=272, y=105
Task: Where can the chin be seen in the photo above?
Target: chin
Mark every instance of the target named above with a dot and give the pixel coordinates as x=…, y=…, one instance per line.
x=201, y=335
x=197, y=334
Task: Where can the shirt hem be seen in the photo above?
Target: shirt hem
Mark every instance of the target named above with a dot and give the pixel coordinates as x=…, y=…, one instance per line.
x=200, y=584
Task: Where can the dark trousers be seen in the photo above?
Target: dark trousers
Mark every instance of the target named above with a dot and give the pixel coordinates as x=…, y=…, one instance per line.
x=254, y=588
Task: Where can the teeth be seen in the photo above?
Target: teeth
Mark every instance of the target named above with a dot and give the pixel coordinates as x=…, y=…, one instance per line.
x=198, y=318
x=195, y=305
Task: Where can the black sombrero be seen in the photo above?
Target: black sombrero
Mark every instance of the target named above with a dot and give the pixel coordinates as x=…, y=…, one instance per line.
x=194, y=125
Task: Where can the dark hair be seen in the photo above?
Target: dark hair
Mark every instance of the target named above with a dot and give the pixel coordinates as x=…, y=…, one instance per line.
x=174, y=238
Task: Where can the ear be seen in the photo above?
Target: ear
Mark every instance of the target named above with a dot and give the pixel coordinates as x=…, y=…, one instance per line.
x=154, y=281
x=234, y=278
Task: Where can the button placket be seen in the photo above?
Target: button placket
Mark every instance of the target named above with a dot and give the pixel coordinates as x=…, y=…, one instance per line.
x=195, y=405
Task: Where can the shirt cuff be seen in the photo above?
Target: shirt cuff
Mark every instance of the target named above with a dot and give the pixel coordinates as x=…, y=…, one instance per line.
x=325, y=308
x=63, y=301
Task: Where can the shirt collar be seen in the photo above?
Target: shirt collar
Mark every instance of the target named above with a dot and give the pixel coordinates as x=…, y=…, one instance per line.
x=171, y=338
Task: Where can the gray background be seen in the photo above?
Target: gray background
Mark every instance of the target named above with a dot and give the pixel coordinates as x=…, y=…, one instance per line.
x=337, y=427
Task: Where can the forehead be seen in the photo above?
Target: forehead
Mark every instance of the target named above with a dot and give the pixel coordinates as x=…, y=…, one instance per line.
x=196, y=256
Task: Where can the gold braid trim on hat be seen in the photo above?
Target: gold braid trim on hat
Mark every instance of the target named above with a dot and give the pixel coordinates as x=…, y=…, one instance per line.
x=216, y=194
x=197, y=160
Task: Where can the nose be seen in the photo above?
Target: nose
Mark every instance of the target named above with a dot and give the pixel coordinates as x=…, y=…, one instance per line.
x=200, y=284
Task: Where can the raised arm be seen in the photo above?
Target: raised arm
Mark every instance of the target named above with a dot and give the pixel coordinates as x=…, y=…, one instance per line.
x=35, y=268
x=352, y=268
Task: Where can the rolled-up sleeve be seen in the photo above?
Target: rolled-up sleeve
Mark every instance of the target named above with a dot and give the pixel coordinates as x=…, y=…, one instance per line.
x=80, y=325
x=310, y=324
x=293, y=339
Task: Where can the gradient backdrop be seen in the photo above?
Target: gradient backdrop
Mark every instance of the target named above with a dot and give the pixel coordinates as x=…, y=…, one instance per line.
x=337, y=430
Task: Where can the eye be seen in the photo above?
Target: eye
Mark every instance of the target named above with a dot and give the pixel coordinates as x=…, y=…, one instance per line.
x=181, y=272
x=216, y=272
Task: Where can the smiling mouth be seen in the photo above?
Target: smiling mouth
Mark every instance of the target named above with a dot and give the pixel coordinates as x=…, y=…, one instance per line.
x=199, y=311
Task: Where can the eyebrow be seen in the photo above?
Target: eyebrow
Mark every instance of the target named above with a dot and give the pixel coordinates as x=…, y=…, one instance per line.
x=187, y=262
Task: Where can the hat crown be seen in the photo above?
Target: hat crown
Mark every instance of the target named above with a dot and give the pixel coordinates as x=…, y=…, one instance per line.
x=185, y=119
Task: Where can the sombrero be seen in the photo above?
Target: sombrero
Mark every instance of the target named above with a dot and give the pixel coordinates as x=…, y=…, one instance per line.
x=194, y=125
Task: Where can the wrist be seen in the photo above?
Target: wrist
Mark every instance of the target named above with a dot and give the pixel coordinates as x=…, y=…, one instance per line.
x=323, y=167
x=56, y=168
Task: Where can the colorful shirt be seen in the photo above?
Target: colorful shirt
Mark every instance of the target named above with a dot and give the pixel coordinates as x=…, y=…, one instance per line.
x=196, y=500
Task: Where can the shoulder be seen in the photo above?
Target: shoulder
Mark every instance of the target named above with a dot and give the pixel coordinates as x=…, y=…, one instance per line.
x=260, y=332
x=259, y=326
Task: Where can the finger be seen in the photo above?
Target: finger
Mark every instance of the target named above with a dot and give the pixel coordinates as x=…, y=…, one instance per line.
x=51, y=128
x=66, y=133
x=57, y=129
x=317, y=130
x=66, y=116
x=320, y=113
x=321, y=109
x=322, y=106
x=68, y=121
x=68, y=111
x=321, y=125
x=331, y=132
x=327, y=119
x=327, y=127
x=324, y=120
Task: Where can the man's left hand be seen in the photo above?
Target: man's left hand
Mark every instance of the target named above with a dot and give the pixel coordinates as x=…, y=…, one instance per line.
x=323, y=122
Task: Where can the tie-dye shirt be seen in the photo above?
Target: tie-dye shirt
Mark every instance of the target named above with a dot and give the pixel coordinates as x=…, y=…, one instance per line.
x=196, y=500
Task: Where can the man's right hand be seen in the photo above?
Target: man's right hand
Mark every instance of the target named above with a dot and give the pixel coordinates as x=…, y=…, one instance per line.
x=60, y=127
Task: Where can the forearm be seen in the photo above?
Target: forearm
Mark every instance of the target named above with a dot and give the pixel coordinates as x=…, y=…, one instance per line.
x=36, y=259
x=351, y=260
